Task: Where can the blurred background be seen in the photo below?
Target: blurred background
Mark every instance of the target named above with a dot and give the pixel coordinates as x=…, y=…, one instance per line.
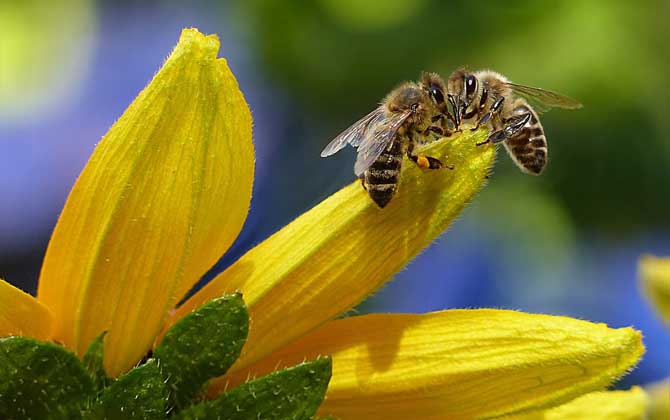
x=564, y=243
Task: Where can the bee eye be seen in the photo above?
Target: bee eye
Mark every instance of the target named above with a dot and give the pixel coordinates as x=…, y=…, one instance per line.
x=436, y=94
x=414, y=107
x=470, y=85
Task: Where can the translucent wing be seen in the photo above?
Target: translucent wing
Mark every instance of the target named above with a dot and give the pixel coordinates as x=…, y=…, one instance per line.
x=379, y=137
x=352, y=135
x=543, y=100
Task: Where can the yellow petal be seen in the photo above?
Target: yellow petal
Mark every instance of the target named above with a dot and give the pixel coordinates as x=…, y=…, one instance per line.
x=163, y=196
x=345, y=248
x=655, y=280
x=605, y=405
x=659, y=396
x=21, y=314
x=457, y=364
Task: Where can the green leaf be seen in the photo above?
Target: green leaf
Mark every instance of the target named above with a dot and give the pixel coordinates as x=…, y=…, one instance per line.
x=139, y=394
x=41, y=380
x=202, y=345
x=93, y=362
x=294, y=393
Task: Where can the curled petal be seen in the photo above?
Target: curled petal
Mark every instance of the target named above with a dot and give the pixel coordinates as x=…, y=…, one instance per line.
x=339, y=252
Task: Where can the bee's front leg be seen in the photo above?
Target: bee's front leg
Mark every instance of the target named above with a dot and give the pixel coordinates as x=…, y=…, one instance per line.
x=495, y=108
x=432, y=129
x=439, y=131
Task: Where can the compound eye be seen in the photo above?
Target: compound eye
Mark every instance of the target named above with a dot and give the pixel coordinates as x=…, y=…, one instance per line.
x=470, y=85
x=414, y=107
x=436, y=94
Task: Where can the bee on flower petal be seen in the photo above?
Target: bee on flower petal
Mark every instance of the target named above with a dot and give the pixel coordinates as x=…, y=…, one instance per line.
x=412, y=113
x=510, y=110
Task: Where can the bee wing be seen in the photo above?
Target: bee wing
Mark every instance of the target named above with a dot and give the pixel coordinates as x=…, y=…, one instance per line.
x=543, y=100
x=352, y=135
x=378, y=138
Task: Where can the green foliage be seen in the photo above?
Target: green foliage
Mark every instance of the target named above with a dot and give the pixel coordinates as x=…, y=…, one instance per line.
x=293, y=393
x=93, y=362
x=44, y=380
x=139, y=394
x=41, y=380
x=201, y=346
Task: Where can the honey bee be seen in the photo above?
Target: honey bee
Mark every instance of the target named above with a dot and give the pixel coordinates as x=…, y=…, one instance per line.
x=510, y=110
x=412, y=113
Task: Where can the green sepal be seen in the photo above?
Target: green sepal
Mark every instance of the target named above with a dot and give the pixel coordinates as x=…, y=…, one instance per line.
x=41, y=380
x=93, y=361
x=293, y=393
x=139, y=394
x=201, y=346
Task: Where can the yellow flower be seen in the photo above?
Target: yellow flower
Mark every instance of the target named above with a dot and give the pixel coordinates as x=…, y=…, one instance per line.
x=457, y=364
x=165, y=194
x=605, y=405
x=655, y=281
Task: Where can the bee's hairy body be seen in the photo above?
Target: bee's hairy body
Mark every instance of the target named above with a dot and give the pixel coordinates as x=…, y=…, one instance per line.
x=382, y=177
x=528, y=147
x=488, y=98
x=411, y=113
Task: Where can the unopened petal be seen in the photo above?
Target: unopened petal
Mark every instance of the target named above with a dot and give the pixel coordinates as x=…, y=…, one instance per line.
x=339, y=252
x=457, y=364
x=21, y=314
x=163, y=196
x=604, y=405
x=655, y=280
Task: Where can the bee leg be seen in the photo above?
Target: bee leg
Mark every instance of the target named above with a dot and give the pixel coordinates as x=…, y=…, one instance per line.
x=428, y=162
x=512, y=126
x=365, y=187
x=440, y=127
x=495, y=108
x=436, y=130
x=425, y=162
x=483, y=120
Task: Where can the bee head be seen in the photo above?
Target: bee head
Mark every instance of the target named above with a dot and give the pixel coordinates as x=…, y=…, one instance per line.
x=462, y=87
x=455, y=83
x=434, y=86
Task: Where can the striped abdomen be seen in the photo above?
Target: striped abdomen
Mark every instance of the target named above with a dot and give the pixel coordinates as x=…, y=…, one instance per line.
x=381, y=178
x=528, y=148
